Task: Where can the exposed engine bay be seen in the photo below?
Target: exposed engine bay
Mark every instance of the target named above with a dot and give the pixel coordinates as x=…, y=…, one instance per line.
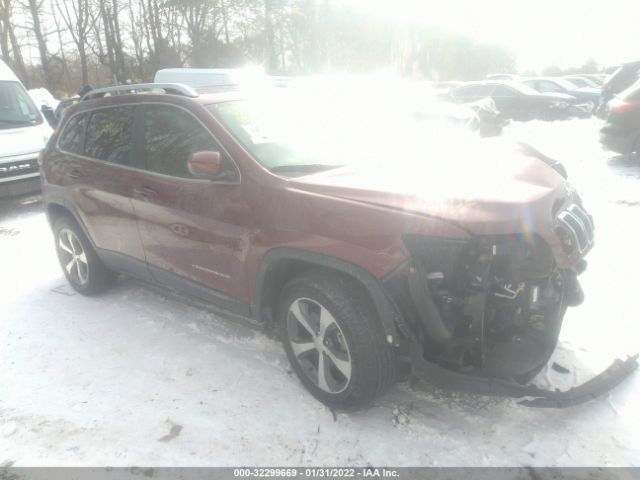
x=490, y=310
x=491, y=306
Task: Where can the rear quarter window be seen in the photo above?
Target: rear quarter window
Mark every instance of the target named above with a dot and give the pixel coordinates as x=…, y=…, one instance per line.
x=109, y=135
x=72, y=136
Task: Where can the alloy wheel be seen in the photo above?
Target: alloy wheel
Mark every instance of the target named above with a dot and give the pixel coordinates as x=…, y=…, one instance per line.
x=319, y=345
x=73, y=256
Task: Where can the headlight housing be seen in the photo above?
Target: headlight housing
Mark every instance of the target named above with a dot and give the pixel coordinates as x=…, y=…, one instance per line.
x=473, y=264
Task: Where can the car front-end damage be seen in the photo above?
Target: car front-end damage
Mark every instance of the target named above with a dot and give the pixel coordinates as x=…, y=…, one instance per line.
x=485, y=313
x=483, y=252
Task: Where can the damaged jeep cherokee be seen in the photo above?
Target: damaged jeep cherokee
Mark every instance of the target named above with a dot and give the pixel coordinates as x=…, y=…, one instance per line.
x=377, y=244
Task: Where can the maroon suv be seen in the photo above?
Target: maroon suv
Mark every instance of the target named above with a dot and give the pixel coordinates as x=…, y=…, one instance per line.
x=374, y=250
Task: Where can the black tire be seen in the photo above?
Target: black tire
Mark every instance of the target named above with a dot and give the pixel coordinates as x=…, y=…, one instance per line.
x=97, y=278
x=360, y=335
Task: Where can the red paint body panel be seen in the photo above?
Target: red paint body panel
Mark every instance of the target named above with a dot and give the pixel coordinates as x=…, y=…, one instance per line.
x=217, y=234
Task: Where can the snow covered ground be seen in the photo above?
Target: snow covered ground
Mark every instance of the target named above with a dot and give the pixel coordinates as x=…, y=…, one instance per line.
x=143, y=377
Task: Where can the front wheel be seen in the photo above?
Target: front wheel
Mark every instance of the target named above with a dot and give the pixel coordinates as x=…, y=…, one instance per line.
x=81, y=265
x=334, y=340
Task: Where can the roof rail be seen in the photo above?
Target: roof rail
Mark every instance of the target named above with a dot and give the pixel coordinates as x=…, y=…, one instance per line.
x=169, y=88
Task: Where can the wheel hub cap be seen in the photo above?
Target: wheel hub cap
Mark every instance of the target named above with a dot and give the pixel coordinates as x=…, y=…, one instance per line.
x=319, y=345
x=73, y=256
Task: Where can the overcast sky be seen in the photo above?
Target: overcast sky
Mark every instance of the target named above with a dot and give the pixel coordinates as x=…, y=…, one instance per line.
x=539, y=32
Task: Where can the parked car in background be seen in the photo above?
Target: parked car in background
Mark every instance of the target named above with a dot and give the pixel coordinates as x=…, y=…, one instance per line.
x=443, y=88
x=588, y=97
x=502, y=76
x=480, y=116
x=198, y=77
x=23, y=134
x=372, y=243
x=516, y=101
x=47, y=104
x=621, y=131
x=597, y=78
x=622, y=78
x=581, y=81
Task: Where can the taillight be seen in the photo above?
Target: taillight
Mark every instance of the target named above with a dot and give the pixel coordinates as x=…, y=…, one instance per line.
x=619, y=106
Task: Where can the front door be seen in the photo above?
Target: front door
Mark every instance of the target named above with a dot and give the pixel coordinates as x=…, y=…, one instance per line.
x=193, y=228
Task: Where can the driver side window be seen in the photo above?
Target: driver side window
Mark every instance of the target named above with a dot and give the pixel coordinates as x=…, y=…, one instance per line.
x=170, y=136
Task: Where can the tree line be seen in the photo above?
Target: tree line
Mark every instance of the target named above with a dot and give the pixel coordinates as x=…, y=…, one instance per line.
x=63, y=45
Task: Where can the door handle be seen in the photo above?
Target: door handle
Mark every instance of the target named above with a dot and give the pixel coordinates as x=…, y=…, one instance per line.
x=75, y=173
x=144, y=193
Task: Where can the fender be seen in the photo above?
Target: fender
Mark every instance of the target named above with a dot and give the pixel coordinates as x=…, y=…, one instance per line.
x=386, y=310
x=63, y=203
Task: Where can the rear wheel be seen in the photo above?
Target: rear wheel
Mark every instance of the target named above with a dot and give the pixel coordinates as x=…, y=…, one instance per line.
x=334, y=340
x=79, y=261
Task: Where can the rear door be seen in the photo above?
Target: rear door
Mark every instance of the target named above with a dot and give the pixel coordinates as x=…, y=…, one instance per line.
x=97, y=173
x=192, y=228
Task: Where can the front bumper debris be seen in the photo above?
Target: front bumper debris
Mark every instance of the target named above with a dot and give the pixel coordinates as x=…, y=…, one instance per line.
x=537, y=397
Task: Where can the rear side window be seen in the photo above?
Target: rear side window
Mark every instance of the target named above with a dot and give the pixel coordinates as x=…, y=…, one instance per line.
x=109, y=135
x=72, y=137
x=171, y=135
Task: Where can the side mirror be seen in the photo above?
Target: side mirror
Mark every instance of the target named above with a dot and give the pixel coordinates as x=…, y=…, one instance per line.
x=205, y=164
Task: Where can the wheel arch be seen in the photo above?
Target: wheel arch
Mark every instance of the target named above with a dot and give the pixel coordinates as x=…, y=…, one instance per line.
x=55, y=209
x=281, y=264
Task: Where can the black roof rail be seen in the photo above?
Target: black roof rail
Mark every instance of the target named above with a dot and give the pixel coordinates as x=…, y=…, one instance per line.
x=169, y=88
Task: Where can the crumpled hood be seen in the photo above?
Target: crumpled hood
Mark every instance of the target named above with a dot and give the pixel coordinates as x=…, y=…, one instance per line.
x=487, y=186
x=24, y=140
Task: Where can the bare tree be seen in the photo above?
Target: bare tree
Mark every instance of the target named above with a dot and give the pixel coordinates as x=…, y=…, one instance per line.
x=76, y=16
x=35, y=9
x=136, y=36
x=5, y=26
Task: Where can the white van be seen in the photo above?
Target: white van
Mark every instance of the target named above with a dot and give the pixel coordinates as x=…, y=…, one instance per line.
x=198, y=77
x=23, y=134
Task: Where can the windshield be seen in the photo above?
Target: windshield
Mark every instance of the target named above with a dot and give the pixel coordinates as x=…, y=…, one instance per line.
x=293, y=130
x=16, y=107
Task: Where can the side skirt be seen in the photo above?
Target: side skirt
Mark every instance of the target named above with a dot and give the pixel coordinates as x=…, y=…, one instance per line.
x=150, y=274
